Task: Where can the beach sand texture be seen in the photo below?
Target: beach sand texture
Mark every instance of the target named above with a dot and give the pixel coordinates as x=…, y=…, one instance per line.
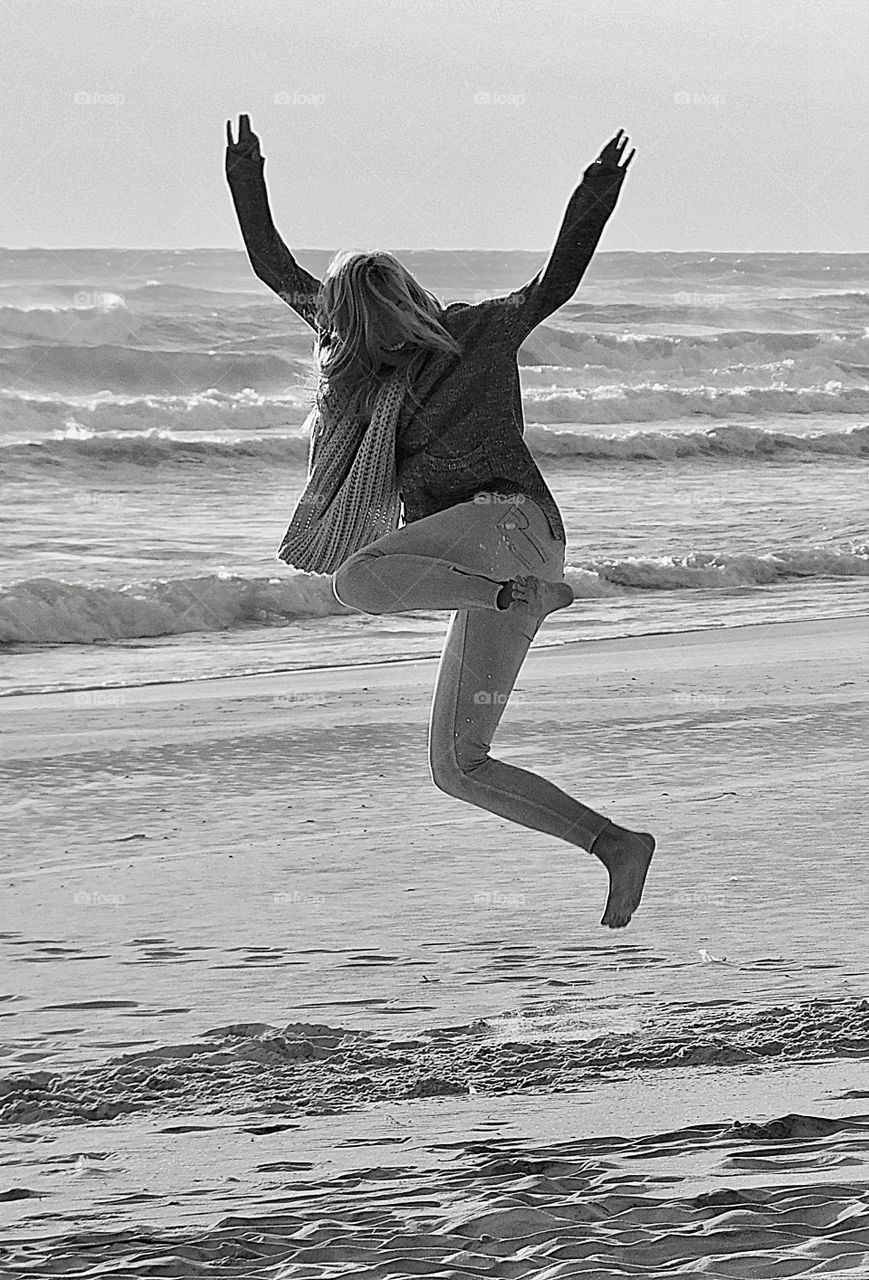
x=273, y=1006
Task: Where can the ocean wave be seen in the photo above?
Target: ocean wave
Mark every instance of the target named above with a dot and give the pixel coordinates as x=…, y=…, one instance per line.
x=218, y=409
x=718, y=307
x=771, y=269
x=78, y=446
x=735, y=441
x=36, y=419
x=836, y=296
x=96, y=343
x=687, y=353
x=706, y=570
x=79, y=369
x=105, y=319
x=51, y=611
x=162, y=291
x=154, y=447
x=663, y=403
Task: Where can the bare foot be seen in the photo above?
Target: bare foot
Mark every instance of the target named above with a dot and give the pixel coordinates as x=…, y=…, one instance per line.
x=626, y=856
x=543, y=597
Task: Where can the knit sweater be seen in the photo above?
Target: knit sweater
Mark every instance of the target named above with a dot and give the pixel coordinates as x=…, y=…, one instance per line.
x=468, y=435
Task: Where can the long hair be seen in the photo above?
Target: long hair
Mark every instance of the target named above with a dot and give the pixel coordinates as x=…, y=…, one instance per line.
x=368, y=305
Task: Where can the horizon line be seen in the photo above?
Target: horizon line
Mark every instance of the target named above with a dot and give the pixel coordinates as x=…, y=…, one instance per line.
x=95, y=248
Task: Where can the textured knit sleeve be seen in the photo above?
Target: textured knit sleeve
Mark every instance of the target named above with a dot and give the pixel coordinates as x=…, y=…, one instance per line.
x=582, y=226
x=269, y=256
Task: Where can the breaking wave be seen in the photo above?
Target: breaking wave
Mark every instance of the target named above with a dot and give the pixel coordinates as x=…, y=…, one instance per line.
x=77, y=369
x=50, y=611
x=78, y=446
x=659, y=402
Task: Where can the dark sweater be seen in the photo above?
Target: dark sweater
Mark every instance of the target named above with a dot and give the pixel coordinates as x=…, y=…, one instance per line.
x=468, y=435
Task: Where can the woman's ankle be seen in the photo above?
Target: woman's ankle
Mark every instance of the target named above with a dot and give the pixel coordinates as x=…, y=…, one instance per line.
x=607, y=826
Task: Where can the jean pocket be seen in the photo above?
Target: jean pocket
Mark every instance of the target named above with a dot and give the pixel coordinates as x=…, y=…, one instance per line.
x=516, y=531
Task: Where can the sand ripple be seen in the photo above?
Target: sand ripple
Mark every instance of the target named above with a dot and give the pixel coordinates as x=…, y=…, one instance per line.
x=595, y=1208
x=305, y=1068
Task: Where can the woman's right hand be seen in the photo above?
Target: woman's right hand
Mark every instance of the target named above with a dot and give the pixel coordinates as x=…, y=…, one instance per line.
x=247, y=146
x=610, y=159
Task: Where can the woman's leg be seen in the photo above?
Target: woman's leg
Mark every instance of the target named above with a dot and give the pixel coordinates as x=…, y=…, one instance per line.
x=479, y=665
x=457, y=559
x=481, y=659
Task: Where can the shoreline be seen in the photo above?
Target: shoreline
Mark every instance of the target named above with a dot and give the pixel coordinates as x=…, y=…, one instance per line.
x=250, y=947
x=601, y=644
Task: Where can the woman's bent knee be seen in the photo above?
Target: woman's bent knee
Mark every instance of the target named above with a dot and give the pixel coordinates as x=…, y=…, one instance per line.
x=448, y=778
x=453, y=774
x=351, y=584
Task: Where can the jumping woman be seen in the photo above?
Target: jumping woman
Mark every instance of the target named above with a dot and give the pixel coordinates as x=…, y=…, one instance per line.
x=482, y=535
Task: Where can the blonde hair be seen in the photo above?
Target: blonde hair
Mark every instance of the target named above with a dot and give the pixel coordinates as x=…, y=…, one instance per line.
x=368, y=303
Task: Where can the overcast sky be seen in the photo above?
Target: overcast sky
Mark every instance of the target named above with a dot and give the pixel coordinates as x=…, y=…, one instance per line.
x=405, y=124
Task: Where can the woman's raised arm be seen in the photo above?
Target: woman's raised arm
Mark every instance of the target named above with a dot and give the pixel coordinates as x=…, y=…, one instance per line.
x=269, y=256
x=582, y=226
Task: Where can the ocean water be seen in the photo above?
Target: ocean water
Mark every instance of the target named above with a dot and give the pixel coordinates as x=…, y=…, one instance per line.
x=702, y=419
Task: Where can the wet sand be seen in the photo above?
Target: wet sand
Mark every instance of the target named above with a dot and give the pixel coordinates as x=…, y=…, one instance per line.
x=447, y=1068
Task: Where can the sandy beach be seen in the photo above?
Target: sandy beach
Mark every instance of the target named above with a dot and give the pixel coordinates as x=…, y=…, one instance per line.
x=274, y=1005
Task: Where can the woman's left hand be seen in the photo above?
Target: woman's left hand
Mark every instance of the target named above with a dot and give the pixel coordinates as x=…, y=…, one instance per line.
x=610, y=158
